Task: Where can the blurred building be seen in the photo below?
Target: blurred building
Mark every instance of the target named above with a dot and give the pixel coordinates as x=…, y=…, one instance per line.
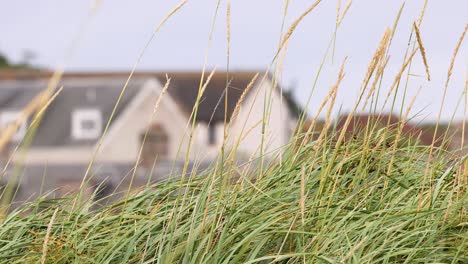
x=70, y=133
x=359, y=123
x=447, y=136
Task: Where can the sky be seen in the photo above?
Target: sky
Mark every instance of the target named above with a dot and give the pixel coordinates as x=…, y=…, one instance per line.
x=113, y=37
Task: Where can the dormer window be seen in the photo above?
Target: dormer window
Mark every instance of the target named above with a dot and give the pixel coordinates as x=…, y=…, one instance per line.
x=10, y=117
x=156, y=145
x=86, y=124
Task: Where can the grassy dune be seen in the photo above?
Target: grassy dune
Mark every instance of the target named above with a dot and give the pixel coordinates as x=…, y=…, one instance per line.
x=321, y=204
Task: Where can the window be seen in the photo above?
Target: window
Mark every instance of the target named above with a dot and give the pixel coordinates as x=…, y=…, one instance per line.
x=155, y=146
x=211, y=134
x=9, y=117
x=86, y=124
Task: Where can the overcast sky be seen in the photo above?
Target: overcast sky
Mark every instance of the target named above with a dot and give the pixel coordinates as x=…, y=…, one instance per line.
x=116, y=34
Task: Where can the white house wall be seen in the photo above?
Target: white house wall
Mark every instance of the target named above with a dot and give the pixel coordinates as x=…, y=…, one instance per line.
x=63, y=155
x=124, y=146
x=278, y=130
x=203, y=150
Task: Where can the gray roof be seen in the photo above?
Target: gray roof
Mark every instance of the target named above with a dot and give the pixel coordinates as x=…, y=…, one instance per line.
x=14, y=98
x=185, y=85
x=55, y=127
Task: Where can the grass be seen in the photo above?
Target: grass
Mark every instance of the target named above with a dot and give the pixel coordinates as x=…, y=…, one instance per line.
x=363, y=215
x=380, y=197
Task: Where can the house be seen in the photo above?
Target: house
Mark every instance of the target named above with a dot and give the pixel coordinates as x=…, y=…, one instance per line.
x=359, y=122
x=449, y=136
x=73, y=124
x=459, y=137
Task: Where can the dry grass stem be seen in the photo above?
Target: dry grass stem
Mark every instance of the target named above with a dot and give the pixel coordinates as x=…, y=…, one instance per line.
x=334, y=89
x=202, y=91
x=422, y=50
x=228, y=27
x=353, y=250
x=119, y=98
x=377, y=78
x=148, y=126
x=37, y=105
x=346, y=9
x=338, y=10
x=421, y=15
x=47, y=237
x=332, y=92
x=170, y=14
x=236, y=110
x=296, y=23
x=398, y=76
x=402, y=124
x=303, y=196
x=378, y=55
x=449, y=74
x=455, y=52
x=465, y=108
